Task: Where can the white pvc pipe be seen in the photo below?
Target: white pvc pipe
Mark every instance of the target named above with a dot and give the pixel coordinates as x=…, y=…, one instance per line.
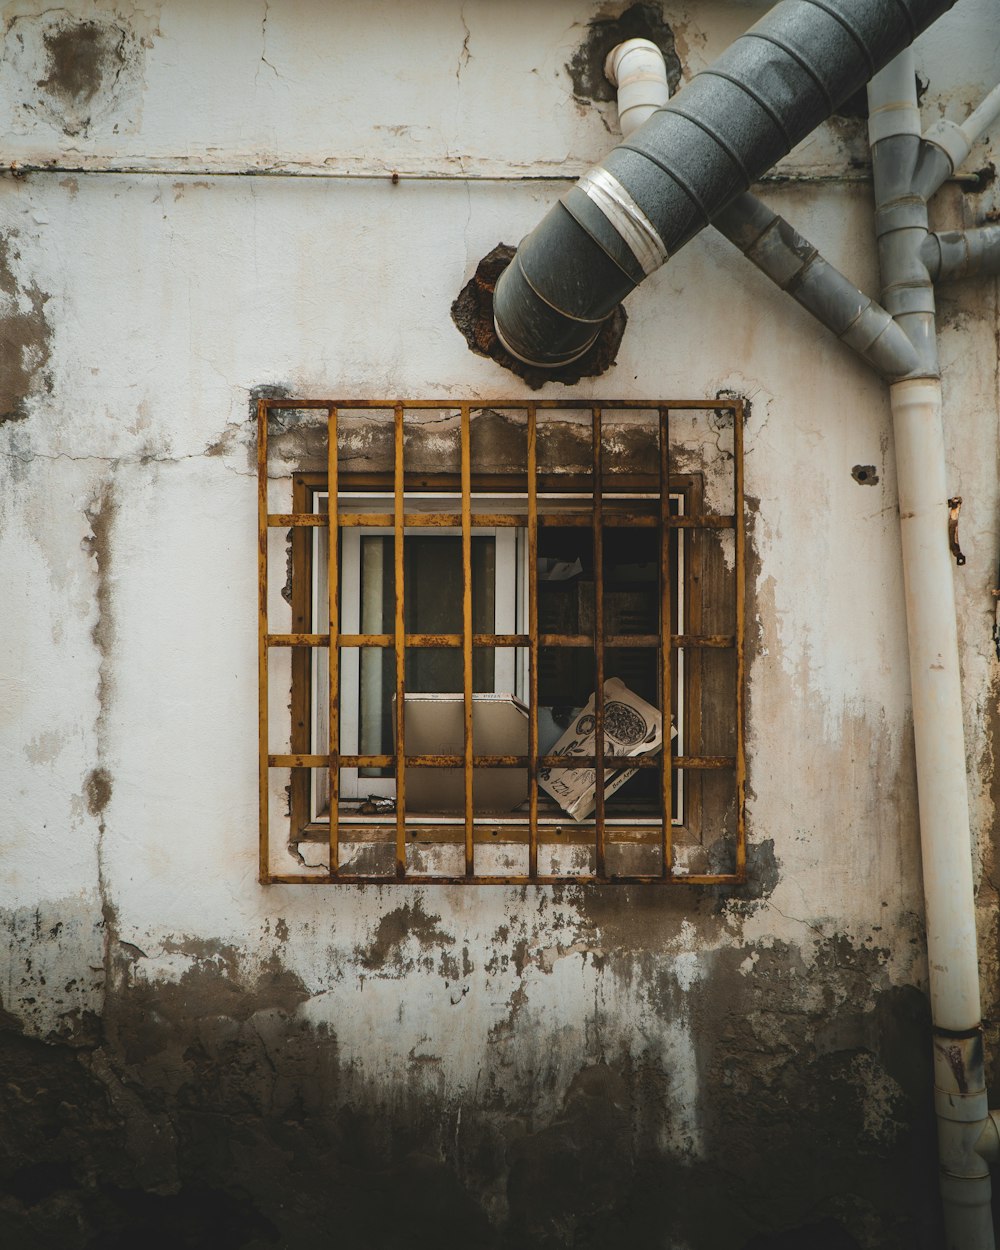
x=637, y=69
x=942, y=789
x=982, y=118
x=892, y=103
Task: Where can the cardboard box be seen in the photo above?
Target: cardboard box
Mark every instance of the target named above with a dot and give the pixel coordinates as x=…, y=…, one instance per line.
x=632, y=727
x=434, y=724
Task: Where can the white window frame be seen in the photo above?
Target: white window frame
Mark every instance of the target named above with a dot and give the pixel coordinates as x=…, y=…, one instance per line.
x=511, y=612
x=510, y=598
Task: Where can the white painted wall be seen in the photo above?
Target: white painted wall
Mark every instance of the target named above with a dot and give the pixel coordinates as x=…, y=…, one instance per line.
x=169, y=296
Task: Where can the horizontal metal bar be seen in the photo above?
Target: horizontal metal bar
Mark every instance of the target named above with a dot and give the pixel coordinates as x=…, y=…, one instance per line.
x=298, y=760
x=707, y=762
x=413, y=878
x=505, y=405
x=298, y=520
x=621, y=641
x=489, y=833
x=298, y=640
x=429, y=520
x=614, y=517
x=387, y=641
x=639, y=641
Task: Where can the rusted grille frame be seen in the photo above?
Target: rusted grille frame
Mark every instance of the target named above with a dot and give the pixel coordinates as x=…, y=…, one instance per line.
x=400, y=520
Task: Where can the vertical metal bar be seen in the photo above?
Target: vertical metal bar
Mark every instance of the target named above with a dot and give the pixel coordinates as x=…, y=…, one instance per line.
x=333, y=566
x=470, y=850
x=532, y=468
x=666, y=653
x=263, y=771
x=400, y=642
x=741, y=833
x=301, y=739
x=598, y=537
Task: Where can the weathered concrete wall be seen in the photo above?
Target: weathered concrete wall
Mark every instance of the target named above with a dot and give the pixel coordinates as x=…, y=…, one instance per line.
x=187, y=1056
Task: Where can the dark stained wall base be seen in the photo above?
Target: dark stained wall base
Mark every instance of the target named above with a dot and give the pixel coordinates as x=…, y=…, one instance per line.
x=208, y=1113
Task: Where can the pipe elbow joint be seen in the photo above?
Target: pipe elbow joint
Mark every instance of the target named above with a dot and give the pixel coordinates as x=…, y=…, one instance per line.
x=637, y=68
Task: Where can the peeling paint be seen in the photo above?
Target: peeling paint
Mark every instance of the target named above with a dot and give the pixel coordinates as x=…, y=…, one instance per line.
x=396, y=929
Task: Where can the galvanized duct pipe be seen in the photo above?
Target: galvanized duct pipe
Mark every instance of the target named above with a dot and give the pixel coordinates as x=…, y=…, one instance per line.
x=668, y=180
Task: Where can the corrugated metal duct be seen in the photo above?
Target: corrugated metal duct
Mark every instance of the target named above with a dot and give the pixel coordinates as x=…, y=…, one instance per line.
x=672, y=175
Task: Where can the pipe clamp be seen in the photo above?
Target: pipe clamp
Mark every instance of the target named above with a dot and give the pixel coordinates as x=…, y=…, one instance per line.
x=624, y=214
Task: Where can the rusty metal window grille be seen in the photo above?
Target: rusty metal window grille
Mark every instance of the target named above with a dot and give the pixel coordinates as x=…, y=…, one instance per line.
x=602, y=543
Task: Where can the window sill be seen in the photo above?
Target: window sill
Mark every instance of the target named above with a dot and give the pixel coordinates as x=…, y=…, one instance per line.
x=490, y=830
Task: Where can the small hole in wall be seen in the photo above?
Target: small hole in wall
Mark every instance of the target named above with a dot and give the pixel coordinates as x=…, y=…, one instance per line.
x=865, y=474
x=979, y=180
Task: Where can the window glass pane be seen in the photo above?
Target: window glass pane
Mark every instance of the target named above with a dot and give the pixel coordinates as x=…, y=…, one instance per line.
x=432, y=605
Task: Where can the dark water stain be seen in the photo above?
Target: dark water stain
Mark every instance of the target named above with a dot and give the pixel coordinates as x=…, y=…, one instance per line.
x=98, y=787
x=638, y=21
x=25, y=337
x=395, y=929
x=80, y=58
x=210, y=1111
x=101, y=514
x=797, y=1047
x=763, y=875
x=825, y=1235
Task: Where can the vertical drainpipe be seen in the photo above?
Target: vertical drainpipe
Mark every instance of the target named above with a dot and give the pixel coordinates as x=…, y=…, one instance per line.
x=946, y=846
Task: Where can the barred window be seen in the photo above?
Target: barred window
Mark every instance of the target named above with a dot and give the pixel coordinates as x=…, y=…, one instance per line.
x=559, y=573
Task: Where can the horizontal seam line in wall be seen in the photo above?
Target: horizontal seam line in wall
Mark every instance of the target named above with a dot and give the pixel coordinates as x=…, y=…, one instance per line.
x=24, y=171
